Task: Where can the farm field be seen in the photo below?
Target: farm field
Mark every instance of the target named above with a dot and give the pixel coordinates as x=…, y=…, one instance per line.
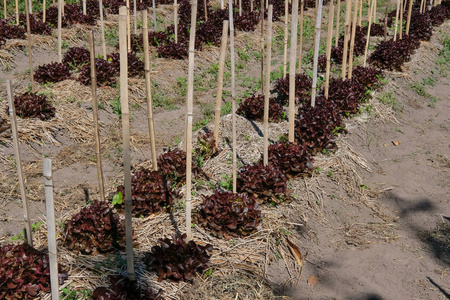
x=368, y=209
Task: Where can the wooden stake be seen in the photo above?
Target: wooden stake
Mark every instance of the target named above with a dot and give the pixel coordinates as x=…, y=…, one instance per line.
x=175, y=19
x=128, y=27
x=44, y=10
x=5, y=13
x=329, y=40
x=223, y=51
x=368, y=32
x=401, y=21
x=421, y=6
x=240, y=8
x=338, y=15
x=262, y=45
x=286, y=32
x=51, y=228
x=62, y=7
x=300, y=46
x=267, y=86
x=154, y=15
x=98, y=155
x=17, y=12
x=135, y=17
x=316, y=52
x=352, y=41
x=59, y=30
x=13, y=118
x=396, y=20
x=408, y=20
x=190, y=108
x=102, y=27
x=375, y=11
x=360, y=12
x=84, y=7
x=30, y=55
x=151, y=123
x=348, y=11
x=251, y=5
x=292, y=61
x=30, y=6
x=206, y=10
x=126, y=138
x=221, y=4
x=233, y=95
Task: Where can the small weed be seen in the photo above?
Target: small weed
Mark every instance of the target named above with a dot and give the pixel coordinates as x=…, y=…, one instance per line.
x=227, y=182
x=390, y=99
x=430, y=80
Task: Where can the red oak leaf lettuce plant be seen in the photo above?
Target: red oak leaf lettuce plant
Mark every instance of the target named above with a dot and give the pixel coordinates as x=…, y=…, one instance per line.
x=32, y=105
x=122, y=288
x=53, y=72
x=253, y=109
x=291, y=159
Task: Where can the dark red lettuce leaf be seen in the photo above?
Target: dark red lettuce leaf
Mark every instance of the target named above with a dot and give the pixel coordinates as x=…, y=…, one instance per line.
x=122, y=288
x=32, y=105
x=53, y=72
x=253, y=109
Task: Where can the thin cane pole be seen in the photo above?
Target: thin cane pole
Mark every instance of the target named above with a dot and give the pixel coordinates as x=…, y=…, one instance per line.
x=316, y=52
x=233, y=96
x=292, y=60
x=5, y=13
x=240, y=8
x=286, y=31
x=400, y=36
x=396, y=20
x=102, y=28
x=30, y=56
x=44, y=10
x=51, y=228
x=84, y=7
x=126, y=138
x=267, y=86
x=154, y=15
x=223, y=51
x=300, y=46
x=59, y=30
x=408, y=21
x=262, y=45
x=348, y=9
x=190, y=108
x=338, y=15
x=368, y=32
x=128, y=27
x=206, y=10
x=12, y=114
x=135, y=17
x=352, y=41
x=151, y=123
x=30, y=7
x=329, y=40
x=98, y=154
x=17, y=12
x=175, y=19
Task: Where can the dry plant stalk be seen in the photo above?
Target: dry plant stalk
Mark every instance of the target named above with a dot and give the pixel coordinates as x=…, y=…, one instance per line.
x=338, y=15
x=368, y=32
x=223, y=51
x=98, y=153
x=292, y=61
x=348, y=11
x=396, y=19
x=151, y=123
x=123, y=21
x=233, y=96
x=267, y=86
x=189, y=116
x=60, y=8
x=175, y=19
x=352, y=41
x=408, y=20
x=30, y=55
x=329, y=40
x=286, y=21
x=12, y=114
x=261, y=17
x=51, y=228
x=316, y=52
x=102, y=28
x=300, y=46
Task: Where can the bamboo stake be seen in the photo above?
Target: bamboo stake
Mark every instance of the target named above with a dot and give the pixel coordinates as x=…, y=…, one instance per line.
x=316, y=52
x=175, y=19
x=292, y=61
x=352, y=41
x=30, y=56
x=102, y=27
x=51, y=228
x=396, y=20
x=17, y=12
x=421, y=6
x=286, y=32
x=329, y=40
x=59, y=30
x=251, y=5
x=62, y=8
x=223, y=50
x=151, y=123
x=126, y=138
x=408, y=20
x=84, y=7
x=221, y=4
x=262, y=45
x=44, y=10
x=360, y=12
x=206, y=10
x=154, y=15
x=128, y=27
x=98, y=155
x=135, y=17
x=5, y=13
x=338, y=14
x=233, y=95
x=300, y=46
x=348, y=11
x=401, y=21
x=12, y=114
x=375, y=20
x=30, y=7
x=190, y=108
x=240, y=8
x=267, y=86
x=368, y=32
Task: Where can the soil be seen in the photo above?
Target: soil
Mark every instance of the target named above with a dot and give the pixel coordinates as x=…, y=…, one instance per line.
x=373, y=223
